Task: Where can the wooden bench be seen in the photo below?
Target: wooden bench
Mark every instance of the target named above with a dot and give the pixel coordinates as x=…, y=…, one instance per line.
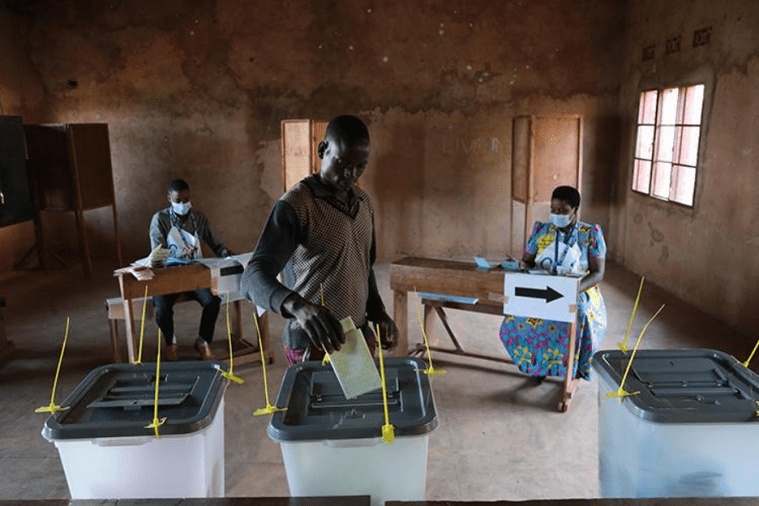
x=6, y=347
x=244, y=351
x=437, y=306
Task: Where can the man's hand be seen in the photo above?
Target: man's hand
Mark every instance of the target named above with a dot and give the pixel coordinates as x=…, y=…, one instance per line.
x=188, y=251
x=322, y=328
x=388, y=331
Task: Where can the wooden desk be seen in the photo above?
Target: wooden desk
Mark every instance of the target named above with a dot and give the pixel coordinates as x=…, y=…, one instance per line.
x=674, y=501
x=211, y=501
x=446, y=277
x=175, y=279
x=459, y=279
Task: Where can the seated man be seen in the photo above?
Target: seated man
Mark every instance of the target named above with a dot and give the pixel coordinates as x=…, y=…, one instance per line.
x=321, y=233
x=179, y=229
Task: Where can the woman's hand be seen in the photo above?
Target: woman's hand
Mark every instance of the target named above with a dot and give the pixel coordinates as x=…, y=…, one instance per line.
x=323, y=329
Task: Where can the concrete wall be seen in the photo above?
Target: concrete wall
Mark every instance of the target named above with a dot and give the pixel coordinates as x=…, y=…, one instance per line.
x=705, y=254
x=196, y=89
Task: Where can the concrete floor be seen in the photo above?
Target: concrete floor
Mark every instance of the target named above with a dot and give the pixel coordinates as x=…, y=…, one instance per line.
x=498, y=436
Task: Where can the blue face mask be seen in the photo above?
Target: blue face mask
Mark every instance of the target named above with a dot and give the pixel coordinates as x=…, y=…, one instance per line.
x=561, y=220
x=181, y=208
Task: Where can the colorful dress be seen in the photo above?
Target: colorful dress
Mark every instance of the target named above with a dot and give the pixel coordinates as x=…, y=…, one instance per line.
x=539, y=347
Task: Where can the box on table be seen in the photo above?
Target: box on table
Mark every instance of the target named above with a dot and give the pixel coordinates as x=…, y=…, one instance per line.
x=333, y=446
x=108, y=453
x=690, y=431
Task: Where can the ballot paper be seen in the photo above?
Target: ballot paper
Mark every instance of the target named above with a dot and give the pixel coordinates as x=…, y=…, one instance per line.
x=353, y=364
x=509, y=264
x=157, y=258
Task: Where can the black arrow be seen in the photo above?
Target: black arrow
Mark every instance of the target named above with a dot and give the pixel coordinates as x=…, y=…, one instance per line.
x=549, y=294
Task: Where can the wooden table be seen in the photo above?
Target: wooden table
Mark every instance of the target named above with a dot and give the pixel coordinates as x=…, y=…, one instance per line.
x=216, y=501
x=183, y=278
x=674, y=501
x=458, y=279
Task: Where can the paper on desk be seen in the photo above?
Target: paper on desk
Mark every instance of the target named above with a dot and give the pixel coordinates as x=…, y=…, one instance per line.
x=241, y=259
x=156, y=258
x=484, y=264
x=353, y=364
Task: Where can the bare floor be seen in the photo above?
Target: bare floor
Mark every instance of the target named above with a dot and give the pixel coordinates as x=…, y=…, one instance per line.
x=499, y=437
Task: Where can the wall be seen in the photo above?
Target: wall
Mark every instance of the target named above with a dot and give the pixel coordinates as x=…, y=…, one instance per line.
x=704, y=254
x=196, y=89
x=18, y=87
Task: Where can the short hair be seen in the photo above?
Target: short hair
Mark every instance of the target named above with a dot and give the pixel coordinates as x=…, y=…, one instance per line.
x=568, y=194
x=347, y=128
x=177, y=185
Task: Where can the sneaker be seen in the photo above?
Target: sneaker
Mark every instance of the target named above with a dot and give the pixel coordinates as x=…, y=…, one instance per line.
x=172, y=353
x=205, y=351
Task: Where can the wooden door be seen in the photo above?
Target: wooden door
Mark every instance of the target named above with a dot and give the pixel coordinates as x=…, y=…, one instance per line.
x=16, y=202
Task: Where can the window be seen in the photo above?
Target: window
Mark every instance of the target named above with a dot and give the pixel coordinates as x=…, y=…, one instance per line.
x=666, y=148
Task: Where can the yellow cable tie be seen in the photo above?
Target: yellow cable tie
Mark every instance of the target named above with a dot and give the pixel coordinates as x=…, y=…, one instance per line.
x=430, y=371
x=53, y=407
x=156, y=422
x=269, y=408
x=745, y=364
x=388, y=431
x=621, y=391
x=325, y=360
x=230, y=375
x=623, y=344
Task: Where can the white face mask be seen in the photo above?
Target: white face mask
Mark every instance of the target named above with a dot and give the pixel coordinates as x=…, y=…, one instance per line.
x=181, y=208
x=561, y=220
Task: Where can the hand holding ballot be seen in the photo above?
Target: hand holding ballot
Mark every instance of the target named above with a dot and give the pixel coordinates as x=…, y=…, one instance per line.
x=321, y=327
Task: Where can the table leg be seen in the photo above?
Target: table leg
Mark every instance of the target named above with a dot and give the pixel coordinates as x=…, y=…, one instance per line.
x=570, y=382
x=131, y=331
x=400, y=315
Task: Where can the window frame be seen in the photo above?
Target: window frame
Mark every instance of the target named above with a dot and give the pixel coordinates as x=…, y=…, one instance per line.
x=698, y=166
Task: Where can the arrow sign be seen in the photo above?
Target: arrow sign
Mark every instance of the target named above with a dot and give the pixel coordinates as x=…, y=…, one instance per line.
x=549, y=294
x=534, y=295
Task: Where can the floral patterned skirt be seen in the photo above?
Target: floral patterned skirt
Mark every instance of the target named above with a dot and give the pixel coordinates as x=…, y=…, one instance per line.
x=539, y=347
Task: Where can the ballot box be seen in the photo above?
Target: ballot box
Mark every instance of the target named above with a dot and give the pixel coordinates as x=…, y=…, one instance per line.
x=108, y=452
x=226, y=273
x=333, y=446
x=689, y=428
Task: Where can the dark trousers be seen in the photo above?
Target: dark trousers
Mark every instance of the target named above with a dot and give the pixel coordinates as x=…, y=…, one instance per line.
x=164, y=313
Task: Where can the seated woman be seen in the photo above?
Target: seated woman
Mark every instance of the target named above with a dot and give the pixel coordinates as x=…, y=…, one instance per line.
x=539, y=347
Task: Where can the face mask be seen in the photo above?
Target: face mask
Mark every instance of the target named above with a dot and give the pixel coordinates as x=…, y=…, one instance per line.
x=561, y=220
x=181, y=208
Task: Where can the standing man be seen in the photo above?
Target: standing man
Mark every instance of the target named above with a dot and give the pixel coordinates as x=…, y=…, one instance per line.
x=179, y=229
x=320, y=234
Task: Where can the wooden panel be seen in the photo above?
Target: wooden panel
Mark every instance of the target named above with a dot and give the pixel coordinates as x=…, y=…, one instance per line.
x=446, y=277
x=520, y=157
x=296, y=151
x=318, y=129
x=177, y=279
x=16, y=204
x=91, y=157
x=48, y=161
x=556, y=156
